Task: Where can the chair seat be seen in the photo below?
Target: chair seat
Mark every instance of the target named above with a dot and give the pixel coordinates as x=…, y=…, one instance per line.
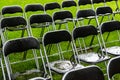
x=40, y=78
x=115, y=50
x=60, y=22
x=92, y=57
x=62, y=66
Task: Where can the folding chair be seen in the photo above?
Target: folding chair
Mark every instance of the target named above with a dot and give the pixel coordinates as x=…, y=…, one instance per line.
x=33, y=9
x=13, y=24
x=111, y=27
x=103, y=11
x=87, y=73
x=51, y=7
x=113, y=67
x=9, y=11
x=86, y=14
x=91, y=54
x=42, y=22
x=2, y=67
x=20, y=45
x=117, y=9
x=69, y=5
x=61, y=42
x=62, y=17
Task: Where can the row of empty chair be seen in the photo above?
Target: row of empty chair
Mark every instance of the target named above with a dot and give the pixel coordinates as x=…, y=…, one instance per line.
x=79, y=30
x=81, y=51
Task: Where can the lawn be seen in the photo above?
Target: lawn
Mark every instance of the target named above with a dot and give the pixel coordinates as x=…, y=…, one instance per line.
x=22, y=3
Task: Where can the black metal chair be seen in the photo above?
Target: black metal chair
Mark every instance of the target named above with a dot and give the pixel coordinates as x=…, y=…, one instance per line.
x=40, y=22
x=18, y=46
x=113, y=67
x=87, y=73
x=9, y=11
x=60, y=41
x=110, y=27
x=88, y=53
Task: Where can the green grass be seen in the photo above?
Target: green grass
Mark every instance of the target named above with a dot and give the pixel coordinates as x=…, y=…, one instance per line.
x=22, y=3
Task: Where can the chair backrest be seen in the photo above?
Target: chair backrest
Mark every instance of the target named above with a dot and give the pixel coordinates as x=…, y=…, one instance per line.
x=84, y=31
x=20, y=45
x=85, y=13
x=98, y=1
x=109, y=26
x=113, y=67
x=12, y=22
x=61, y=15
x=104, y=10
x=34, y=7
x=68, y=3
x=11, y=10
x=56, y=37
x=84, y=2
x=40, y=18
x=51, y=6
x=88, y=73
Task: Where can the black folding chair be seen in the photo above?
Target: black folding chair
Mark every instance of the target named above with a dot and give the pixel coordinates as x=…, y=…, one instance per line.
x=13, y=24
x=62, y=17
x=18, y=46
x=111, y=27
x=41, y=22
x=86, y=14
x=88, y=53
x=103, y=11
x=113, y=67
x=116, y=2
x=9, y=11
x=61, y=42
x=52, y=7
x=70, y=5
x=87, y=73
x=33, y=9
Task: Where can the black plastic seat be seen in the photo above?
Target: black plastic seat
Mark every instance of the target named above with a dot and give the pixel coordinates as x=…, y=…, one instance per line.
x=88, y=53
x=20, y=45
x=10, y=10
x=57, y=40
x=87, y=73
x=109, y=27
x=113, y=67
